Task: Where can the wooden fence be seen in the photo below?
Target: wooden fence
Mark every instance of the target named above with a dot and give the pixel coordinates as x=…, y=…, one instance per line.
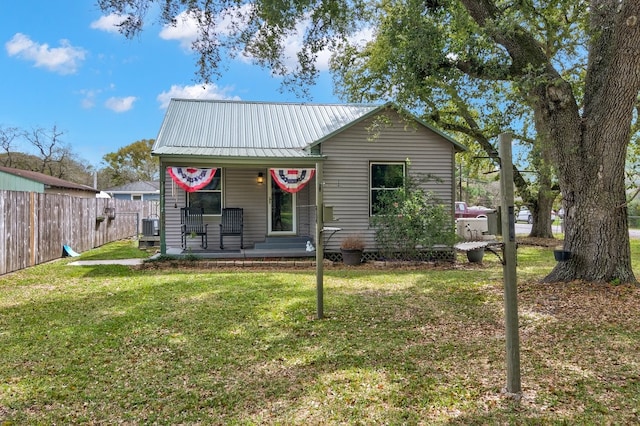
x=34, y=227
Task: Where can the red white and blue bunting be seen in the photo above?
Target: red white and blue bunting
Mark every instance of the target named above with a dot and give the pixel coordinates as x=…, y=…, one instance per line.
x=292, y=180
x=191, y=179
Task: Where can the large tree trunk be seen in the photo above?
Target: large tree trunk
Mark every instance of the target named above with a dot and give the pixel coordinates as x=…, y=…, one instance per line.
x=591, y=154
x=589, y=148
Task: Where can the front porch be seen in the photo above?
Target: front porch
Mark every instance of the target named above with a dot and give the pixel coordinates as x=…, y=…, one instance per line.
x=272, y=247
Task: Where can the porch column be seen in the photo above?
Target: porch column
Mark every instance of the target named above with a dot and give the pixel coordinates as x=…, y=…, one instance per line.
x=319, y=243
x=163, y=198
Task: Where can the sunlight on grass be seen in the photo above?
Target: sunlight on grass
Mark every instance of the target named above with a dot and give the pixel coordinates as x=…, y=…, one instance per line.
x=109, y=345
x=125, y=249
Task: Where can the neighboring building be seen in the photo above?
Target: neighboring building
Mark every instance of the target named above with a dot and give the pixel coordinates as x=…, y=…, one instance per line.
x=136, y=191
x=266, y=157
x=26, y=180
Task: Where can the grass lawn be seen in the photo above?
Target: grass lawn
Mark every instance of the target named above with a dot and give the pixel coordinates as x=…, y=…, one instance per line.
x=111, y=345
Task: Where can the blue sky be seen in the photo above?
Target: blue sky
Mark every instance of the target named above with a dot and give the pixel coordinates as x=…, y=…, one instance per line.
x=64, y=64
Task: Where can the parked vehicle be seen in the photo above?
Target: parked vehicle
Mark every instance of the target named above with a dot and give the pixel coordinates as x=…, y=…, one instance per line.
x=462, y=210
x=524, y=215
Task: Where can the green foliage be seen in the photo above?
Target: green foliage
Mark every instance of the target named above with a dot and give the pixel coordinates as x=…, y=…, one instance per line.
x=124, y=249
x=410, y=221
x=550, y=68
x=132, y=163
x=443, y=66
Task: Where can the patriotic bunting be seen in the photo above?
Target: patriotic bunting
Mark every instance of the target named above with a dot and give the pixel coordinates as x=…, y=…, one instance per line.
x=292, y=180
x=191, y=179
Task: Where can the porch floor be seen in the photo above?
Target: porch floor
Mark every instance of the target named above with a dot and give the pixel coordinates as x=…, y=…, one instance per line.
x=247, y=253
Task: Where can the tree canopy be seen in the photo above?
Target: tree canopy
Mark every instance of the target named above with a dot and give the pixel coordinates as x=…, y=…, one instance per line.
x=132, y=163
x=571, y=64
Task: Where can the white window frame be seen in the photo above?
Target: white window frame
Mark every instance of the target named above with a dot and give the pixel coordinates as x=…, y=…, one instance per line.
x=204, y=191
x=372, y=188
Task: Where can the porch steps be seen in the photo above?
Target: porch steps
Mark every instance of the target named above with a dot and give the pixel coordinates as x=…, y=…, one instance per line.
x=283, y=243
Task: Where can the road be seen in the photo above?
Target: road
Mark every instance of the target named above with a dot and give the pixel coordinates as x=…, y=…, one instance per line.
x=525, y=229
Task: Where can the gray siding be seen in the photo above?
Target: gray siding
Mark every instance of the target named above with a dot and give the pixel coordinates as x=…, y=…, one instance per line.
x=307, y=210
x=345, y=182
x=175, y=198
x=346, y=171
x=239, y=189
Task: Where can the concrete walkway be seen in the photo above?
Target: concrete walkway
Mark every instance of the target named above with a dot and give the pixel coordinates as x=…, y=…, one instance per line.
x=129, y=262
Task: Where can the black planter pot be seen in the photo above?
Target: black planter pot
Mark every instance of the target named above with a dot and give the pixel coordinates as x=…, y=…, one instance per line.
x=351, y=257
x=475, y=255
x=562, y=255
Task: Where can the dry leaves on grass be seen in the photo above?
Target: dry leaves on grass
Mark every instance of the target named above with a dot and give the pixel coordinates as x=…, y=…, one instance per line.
x=580, y=342
x=598, y=303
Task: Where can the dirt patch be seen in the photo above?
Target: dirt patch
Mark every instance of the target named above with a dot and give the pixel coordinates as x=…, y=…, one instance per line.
x=298, y=264
x=539, y=242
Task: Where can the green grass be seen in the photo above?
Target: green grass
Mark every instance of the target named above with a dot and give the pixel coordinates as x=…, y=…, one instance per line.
x=107, y=345
x=125, y=249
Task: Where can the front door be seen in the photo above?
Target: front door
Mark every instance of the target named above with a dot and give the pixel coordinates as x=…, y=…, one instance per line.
x=282, y=210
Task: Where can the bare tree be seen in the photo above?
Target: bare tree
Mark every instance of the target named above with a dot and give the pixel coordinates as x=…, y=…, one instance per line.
x=54, y=154
x=8, y=137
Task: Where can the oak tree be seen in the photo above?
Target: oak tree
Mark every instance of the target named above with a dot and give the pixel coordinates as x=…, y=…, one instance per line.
x=582, y=113
x=132, y=163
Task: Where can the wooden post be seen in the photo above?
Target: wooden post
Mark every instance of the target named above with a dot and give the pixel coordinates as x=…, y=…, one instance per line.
x=509, y=267
x=319, y=243
x=32, y=228
x=163, y=201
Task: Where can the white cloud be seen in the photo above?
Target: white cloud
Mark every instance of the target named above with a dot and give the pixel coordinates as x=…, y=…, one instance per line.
x=197, y=91
x=120, y=104
x=294, y=43
x=185, y=29
x=65, y=59
x=108, y=23
x=88, y=98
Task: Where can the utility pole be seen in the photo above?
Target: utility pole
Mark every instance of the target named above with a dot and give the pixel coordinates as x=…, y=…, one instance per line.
x=509, y=265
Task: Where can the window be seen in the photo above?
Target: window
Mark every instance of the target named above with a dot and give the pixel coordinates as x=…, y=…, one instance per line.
x=384, y=177
x=136, y=197
x=209, y=197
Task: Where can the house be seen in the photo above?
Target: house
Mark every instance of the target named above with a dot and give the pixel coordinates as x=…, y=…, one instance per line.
x=29, y=181
x=266, y=158
x=136, y=191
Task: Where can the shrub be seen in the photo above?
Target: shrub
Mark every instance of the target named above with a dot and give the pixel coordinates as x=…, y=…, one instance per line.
x=352, y=242
x=411, y=221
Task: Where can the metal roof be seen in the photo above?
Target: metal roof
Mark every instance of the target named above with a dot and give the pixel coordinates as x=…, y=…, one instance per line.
x=251, y=129
x=139, y=186
x=259, y=130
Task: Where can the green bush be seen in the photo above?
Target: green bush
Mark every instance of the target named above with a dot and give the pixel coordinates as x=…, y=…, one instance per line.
x=410, y=221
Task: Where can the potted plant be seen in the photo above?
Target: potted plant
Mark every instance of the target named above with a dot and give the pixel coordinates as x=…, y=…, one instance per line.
x=352, y=247
x=475, y=255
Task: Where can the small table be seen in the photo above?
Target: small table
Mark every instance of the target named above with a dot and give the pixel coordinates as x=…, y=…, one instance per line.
x=491, y=245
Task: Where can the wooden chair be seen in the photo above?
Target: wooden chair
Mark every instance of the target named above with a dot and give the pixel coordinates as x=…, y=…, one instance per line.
x=192, y=224
x=232, y=225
